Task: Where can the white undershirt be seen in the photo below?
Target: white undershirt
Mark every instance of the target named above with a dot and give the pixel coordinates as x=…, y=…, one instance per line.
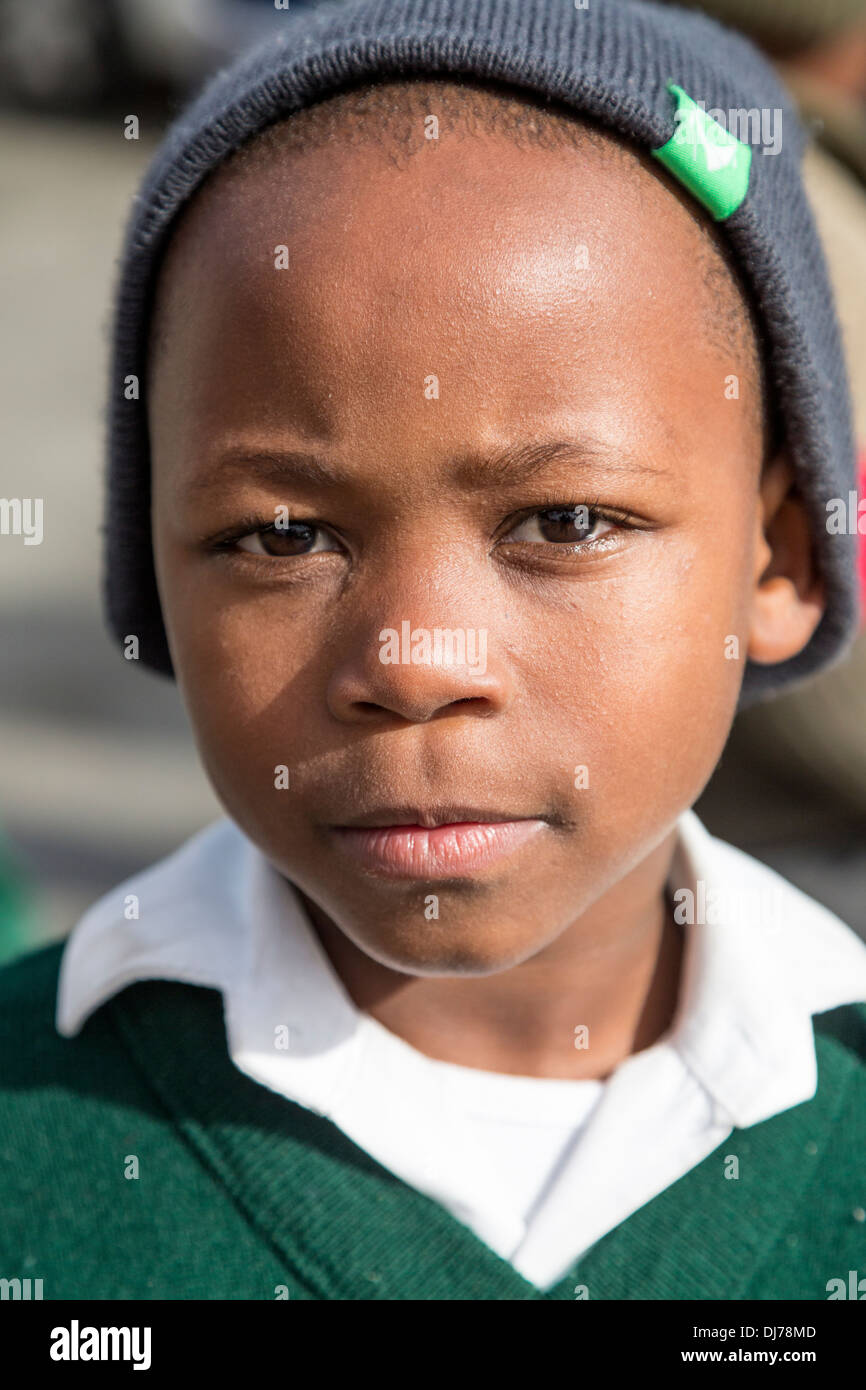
x=516, y=1127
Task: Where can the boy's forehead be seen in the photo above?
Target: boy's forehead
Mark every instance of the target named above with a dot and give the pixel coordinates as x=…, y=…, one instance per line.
x=337, y=207
x=594, y=200
x=479, y=238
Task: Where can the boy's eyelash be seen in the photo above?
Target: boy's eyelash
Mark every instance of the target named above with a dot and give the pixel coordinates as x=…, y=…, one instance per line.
x=620, y=515
x=248, y=526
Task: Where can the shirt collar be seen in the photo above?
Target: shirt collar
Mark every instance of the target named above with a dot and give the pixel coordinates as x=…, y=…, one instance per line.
x=761, y=959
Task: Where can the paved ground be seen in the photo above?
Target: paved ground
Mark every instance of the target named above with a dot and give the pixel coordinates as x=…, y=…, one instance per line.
x=98, y=775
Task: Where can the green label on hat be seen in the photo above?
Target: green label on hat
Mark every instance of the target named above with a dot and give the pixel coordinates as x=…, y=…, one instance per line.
x=710, y=162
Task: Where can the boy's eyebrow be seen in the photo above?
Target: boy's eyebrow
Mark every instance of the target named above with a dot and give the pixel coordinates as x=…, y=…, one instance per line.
x=270, y=465
x=474, y=468
x=519, y=461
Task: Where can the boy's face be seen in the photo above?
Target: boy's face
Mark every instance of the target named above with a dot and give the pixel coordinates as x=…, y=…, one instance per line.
x=436, y=326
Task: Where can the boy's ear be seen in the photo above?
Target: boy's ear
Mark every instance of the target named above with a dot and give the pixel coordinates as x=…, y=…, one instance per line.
x=788, y=599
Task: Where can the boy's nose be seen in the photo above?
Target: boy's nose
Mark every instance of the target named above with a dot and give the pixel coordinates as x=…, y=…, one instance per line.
x=418, y=672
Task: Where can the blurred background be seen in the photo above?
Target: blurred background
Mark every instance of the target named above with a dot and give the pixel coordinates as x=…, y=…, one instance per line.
x=98, y=772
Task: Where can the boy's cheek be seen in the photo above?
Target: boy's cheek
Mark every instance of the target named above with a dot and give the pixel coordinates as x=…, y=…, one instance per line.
x=626, y=738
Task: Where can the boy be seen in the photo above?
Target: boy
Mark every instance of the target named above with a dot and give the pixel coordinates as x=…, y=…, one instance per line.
x=476, y=403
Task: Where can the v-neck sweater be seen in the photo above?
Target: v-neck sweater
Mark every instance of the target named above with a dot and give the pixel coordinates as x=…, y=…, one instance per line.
x=539, y=1168
x=139, y=1162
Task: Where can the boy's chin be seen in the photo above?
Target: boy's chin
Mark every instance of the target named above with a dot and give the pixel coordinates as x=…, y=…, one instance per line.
x=474, y=949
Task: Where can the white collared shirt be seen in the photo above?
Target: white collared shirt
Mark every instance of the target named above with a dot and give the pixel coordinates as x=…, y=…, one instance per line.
x=539, y=1168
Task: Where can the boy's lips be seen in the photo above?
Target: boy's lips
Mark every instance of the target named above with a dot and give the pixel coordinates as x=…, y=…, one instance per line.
x=438, y=843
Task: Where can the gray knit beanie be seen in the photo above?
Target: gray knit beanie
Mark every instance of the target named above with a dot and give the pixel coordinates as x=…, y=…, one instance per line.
x=647, y=71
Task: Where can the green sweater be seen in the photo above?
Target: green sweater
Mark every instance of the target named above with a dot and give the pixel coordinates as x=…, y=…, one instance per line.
x=243, y=1194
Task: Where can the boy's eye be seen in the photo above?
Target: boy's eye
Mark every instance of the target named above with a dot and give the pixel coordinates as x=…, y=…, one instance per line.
x=561, y=526
x=286, y=541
